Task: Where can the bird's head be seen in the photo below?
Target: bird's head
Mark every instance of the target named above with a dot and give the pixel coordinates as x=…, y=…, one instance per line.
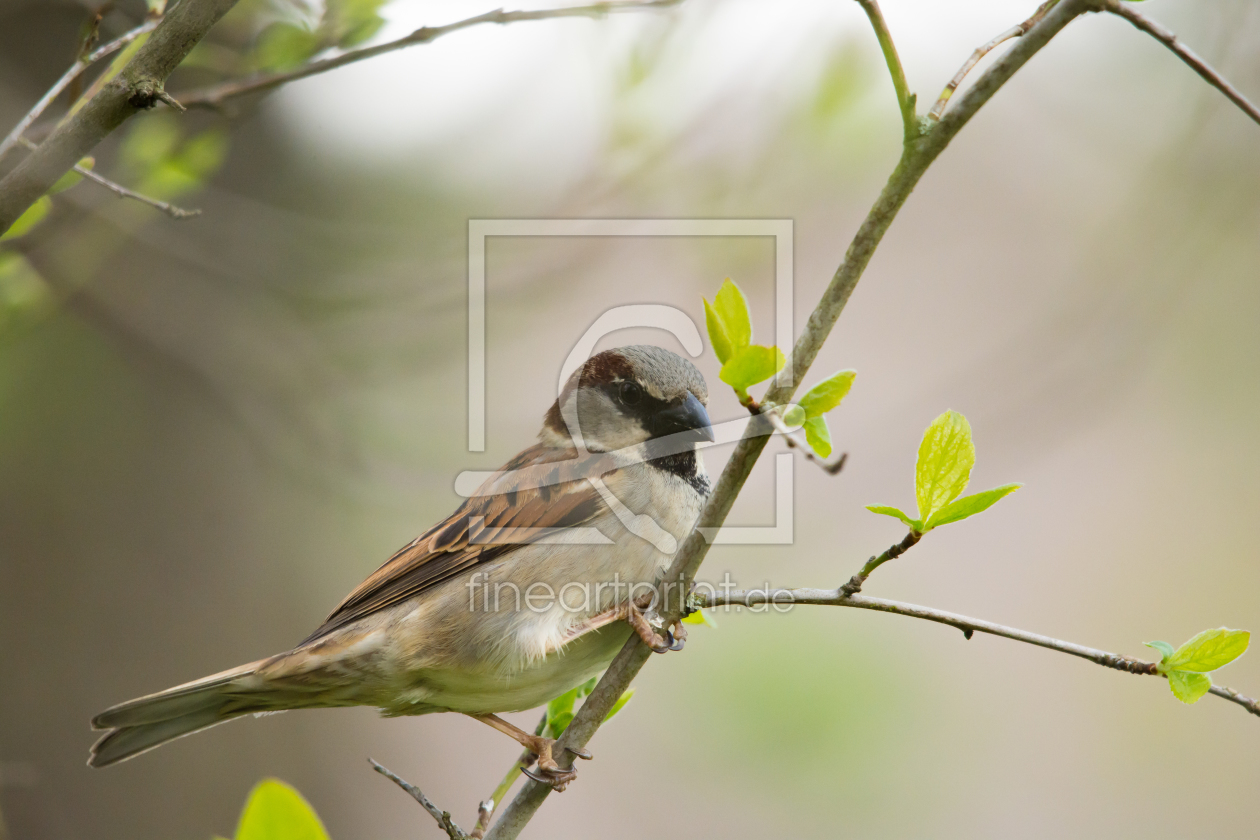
x=628, y=396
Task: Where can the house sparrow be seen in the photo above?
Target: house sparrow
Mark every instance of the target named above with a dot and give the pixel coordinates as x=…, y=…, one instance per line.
x=510, y=601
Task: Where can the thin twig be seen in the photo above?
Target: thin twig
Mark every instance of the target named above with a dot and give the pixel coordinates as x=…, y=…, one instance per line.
x=69, y=76
x=486, y=808
x=905, y=99
x=776, y=420
x=916, y=157
x=167, y=208
x=981, y=52
x=214, y=95
x=1169, y=39
x=968, y=625
x=854, y=585
x=443, y=817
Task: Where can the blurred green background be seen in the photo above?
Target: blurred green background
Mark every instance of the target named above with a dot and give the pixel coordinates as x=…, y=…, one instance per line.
x=210, y=430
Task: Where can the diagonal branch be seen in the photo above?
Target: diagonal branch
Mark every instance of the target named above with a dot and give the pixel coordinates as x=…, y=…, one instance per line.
x=838, y=598
x=1169, y=39
x=68, y=78
x=905, y=99
x=215, y=95
x=137, y=87
x=443, y=817
x=916, y=157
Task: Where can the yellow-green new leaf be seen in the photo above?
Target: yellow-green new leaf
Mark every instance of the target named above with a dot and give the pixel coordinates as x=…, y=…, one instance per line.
x=1165, y=649
x=818, y=436
x=1210, y=650
x=717, y=334
x=621, y=702
x=732, y=307
x=886, y=510
x=275, y=811
x=751, y=365
x=827, y=394
x=1188, y=686
x=970, y=505
x=700, y=617
x=946, y=457
x=794, y=416
x=28, y=220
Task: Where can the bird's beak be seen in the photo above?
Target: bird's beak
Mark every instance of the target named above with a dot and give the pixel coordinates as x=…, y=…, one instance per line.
x=688, y=416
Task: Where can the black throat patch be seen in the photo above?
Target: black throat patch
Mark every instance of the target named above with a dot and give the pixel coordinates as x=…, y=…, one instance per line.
x=683, y=465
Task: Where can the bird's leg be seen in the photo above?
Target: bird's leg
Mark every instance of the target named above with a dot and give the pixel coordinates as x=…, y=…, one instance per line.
x=549, y=772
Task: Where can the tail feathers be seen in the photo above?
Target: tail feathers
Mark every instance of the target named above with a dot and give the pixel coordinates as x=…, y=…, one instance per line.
x=128, y=741
x=142, y=724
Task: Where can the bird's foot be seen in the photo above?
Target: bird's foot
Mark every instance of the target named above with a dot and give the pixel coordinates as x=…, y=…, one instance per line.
x=549, y=772
x=638, y=621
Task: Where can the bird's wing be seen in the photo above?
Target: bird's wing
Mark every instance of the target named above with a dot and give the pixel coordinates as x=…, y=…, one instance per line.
x=540, y=488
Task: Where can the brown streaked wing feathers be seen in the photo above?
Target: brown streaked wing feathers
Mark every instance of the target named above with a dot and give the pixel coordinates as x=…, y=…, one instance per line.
x=444, y=551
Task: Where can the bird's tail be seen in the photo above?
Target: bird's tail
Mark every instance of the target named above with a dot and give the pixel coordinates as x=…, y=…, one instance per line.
x=140, y=725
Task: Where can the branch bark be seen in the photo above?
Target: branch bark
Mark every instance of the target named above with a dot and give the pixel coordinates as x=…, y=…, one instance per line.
x=1169, y=39
x=215, y=95
x=68, y=78
x=137, y=87
x=968, y=625
x=917, y=156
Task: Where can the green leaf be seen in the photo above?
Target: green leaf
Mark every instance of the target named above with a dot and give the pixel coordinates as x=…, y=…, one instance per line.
x=970, y=505
x=1210, y=650
x=28, y=220
x=1163, y=647
x=818, y=436
x=751, y=365
x=946, y=457
x=732, y=308
x=348, y=23
x=827, y=394
x=717, y=334
x=1188, y=686
x=794, y=416
x=621, y=701
x=556, y=725
x=275, y=811
x=912, y=524
x=71, y=178
x=283, y=46
x=700, y=617
x=150, y=142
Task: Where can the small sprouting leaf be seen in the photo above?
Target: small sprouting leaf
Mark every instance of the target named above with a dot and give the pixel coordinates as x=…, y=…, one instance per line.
x=556, y=725
x=794, y=416
x=912, y=524
x=71, y=178
x=700, y=617
x=275, y=811
x=1163, y=647
x=1210, y=650
x=970, y=505
x=751, y=365
x=818, y=436
x=1188, y=686
x=28, y=220
x=621, y=702
x=351, y=22
x=946, y=457
x=827, y=394
x=732, y=308
x=717, y=334
x=587, y=687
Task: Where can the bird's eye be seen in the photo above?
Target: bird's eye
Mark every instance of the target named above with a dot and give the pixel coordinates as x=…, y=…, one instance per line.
x=630, y=393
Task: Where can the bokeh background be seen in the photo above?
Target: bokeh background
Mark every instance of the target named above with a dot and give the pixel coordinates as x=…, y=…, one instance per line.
x=210, y=430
